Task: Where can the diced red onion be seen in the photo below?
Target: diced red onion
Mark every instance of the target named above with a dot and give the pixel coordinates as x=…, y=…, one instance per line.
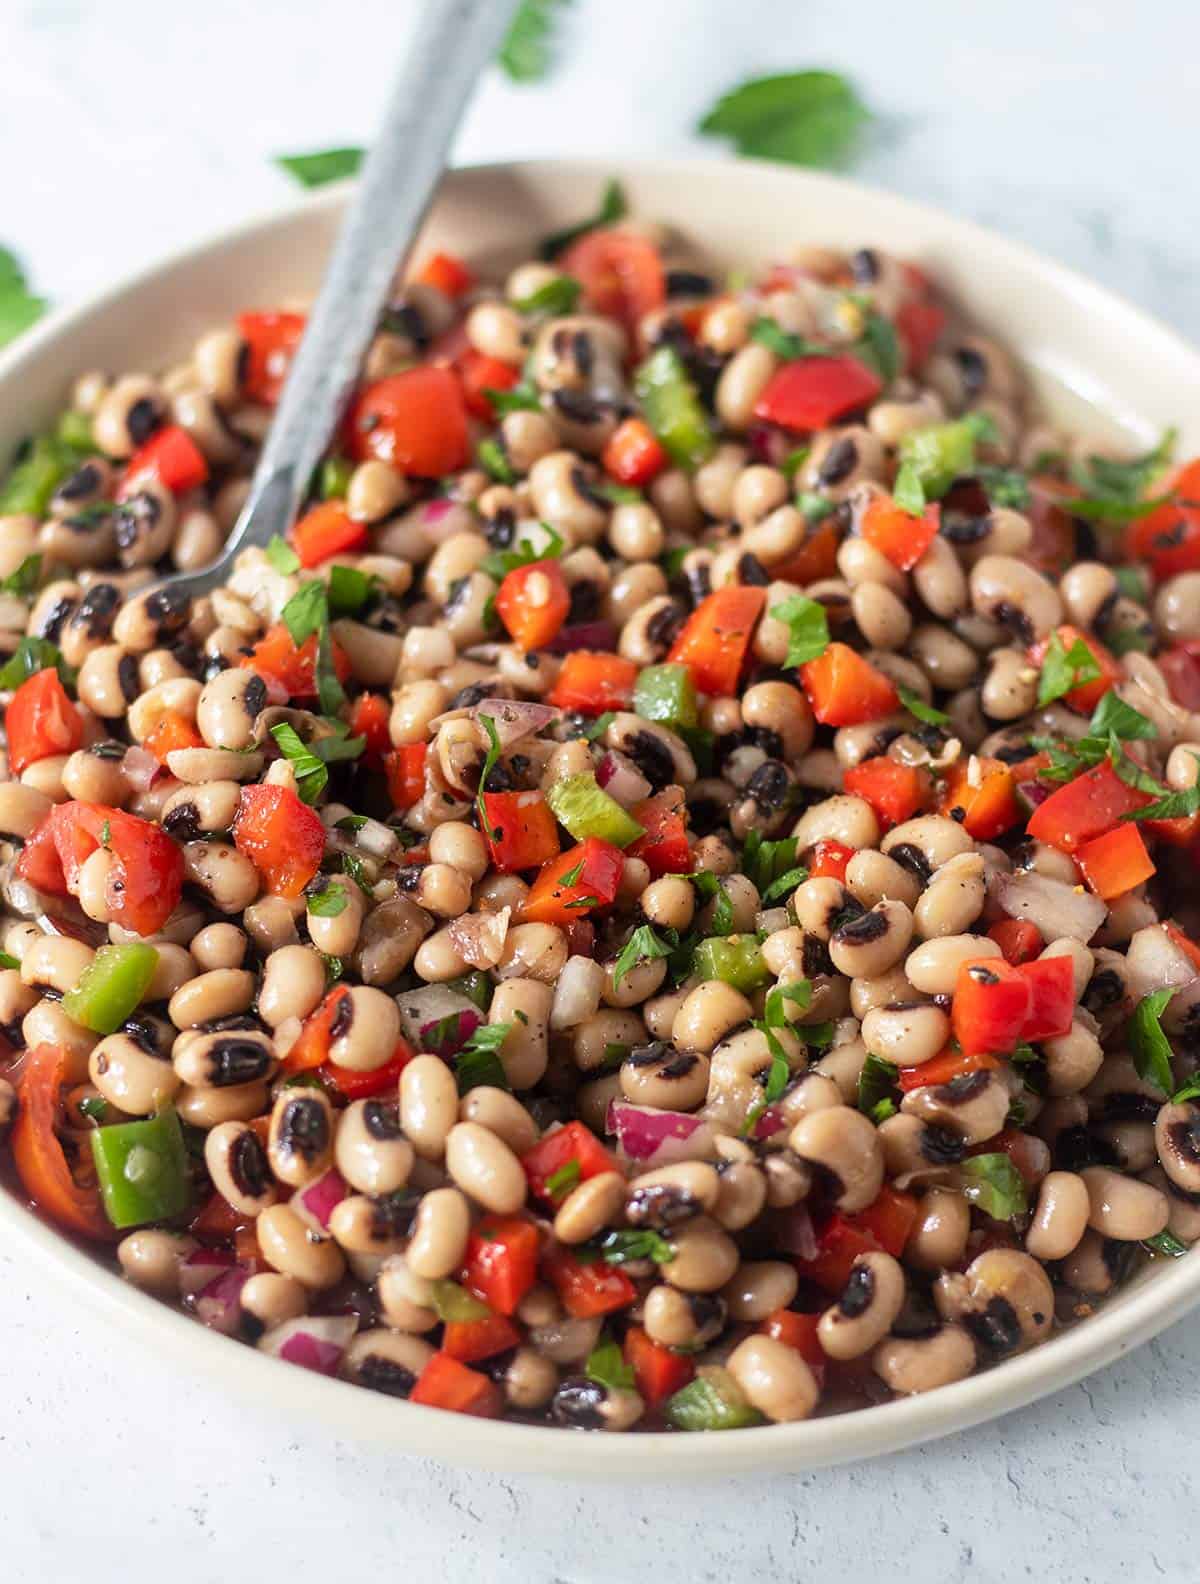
x=202, y=1267
x=1155, y=962
x=315, y=1342
x=479, y=937
x=771, y=1121
x=768, y=444
x=139, y=767
x=1055, y=909
x=600, y=636
x=218, y=1305
x=512, y=718
x=794, y=1233
x=622, y=779
x=658, y=1138
x=421, y=1010
x=317, y=1200
x=1033, y=791
x=434, y=510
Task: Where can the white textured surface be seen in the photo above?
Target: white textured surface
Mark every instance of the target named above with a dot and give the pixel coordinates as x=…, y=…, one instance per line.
x=129, y=127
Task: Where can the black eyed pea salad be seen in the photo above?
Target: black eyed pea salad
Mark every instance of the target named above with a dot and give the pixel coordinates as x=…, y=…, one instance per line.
x=667, y=901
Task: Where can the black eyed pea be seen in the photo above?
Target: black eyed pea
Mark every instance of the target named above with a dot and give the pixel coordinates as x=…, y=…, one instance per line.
x=713, y=481
x=144, y=524
x=635, y=532
x=428, y=1105
x=224, y=1060
x=953, y=899
x=375, y=491
x=269, y=1299
x=557, y=487
x=219, y=993
x=1060, y=1217
x=658, y=1075
x=595, y=1040
x=374, y=655
x=1004, y=1298
x=811, y=1091
x=238, y=1165
x=932, y=968
x=228, y=706
x=219, y=946
x=1083, y=961
x=705, y=1257
x=293, y=983
x=174, y=968
x=405, y=1299
x=906, y=1034
x=292, y=1249
x=783, y=709
x=973, y=1105
x=178, y=696
x=1009, y=690
x=55, y=962
x=843, y=1143
x=774, y=1379
x=48, y=1024
x=414, y=706
x=300, y=1137
x=1123, y=1208
x=502, y=1114
x=461, y=847
x=1009, y=591
x=525, y=1005
x=632, y=589
x=844, y=818
x=714, y=855
x=757, y=491
x=909, y=1365
x=1184, y=1220
x=1073, y=1059
x=671, y=1195
x=484, y=1167
x=590, y=1207
x=127, y=415
x=867, y=1309
x=388, y=941
x=385, y=1362
x=818, y=904
x=682, y=1319
x=661, y=1011
x=940, y=581
x=377, y=1226
x=336, y=934
x=873, y=942
x=22, y=809
x=88, y=777
x=1131, y=1143
x=712, y=1010
x=582, y=1403
x=226, y=876
x=439, y=958
x=882, y=617
x=1177, y=1141
x=529, y=1381
x=742, y=382
x=758, y=1288
x=151, y=1259
x=16, y=999
x=1097, y=1264
x=926, y=843
x=533, y=951
x=946, y=660
x=271, y=921
x=364, y=1030
x=871, y=876
x=439, y=1235
x=858, y=561
x=742, y=1194
x=370, y=1149
x=196, y=767
x=455, y=558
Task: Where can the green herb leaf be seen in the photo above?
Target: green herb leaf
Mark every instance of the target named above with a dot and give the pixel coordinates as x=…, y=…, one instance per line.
x=1112, y=716
x=356, y=869
x=329, y=901
x=94, y=1107
x=521, y=398
x=1189, y=1091
x=908, y=492
x=350, y=590
x=612, y=208
x=478, y=1063
x=709, y=887
x=31, y=656
x=795, y=460
x=1117, y=485
x=493, y=461
x=1165, y=1243
x=1150, y=1046
x=311, y=775
x=814, y=508
x=1064, y=669
x=489, y=763
x=802, y=118
x=1005, y=487
x=306, y=612
x=281, y=556
x=326, y=165
x=764, y=861
x=501, y=562
x=557, y=296
x=18, y=307
x=808, y=628
x=783, y=343
x=619, y=494
x=799, y=992
x=994, y=1185
x=1172, y=805
x=880, y=346
x=607, y=1367
x=572, y=875
x=619, y=1248
x=25, y=579
x=783, y=886
x=334, y=968
x=614, y=1054
x=560, y=1182
x=8, y=961
x=600, y=725
x=916, y=705
x=1129, y=771
x=1102, y=509
x=642, y=946
x=527, y=49
x=876, y=1082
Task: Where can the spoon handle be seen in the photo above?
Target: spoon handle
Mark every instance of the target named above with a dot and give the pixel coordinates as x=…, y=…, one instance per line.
x=452, y=43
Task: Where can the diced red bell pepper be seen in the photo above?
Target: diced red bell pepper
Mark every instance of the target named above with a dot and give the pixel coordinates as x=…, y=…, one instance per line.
x=310, y=1049
x=41, y=721
x=798, y=1331
x=533, y=602
x=570, y=1145
x=172, y=731
x=277, y=659
x=1018, y=939
x=521, y=830
x=416, y=420
x=351, y=1084
x=919, y=322
x=839, y=1243
x=621, y=274
x=634, y=455
x=447, y=272
x=946, y=1066
x=326, y=530
x=716, y=638
x=405, y=771
x=1051, y=983
x=282, y=837
x=664, y=847
x=816, y=558
x=600, y=867
x=271, y=341
x=369, y=715
x=895, y=791
x=1115, y=862
x=1085, y=808
x=889, y=1219
x=1181, y=667
x=480, y=374
x=846, y=690
x=587, y=1290
x=1087, y=695
x=815, y=392
x=146, y=878
x=216, y=1221
x=472, y=1340
x=981, y=795
x=992, y=1001
x=592, y=683
x=1169, y=538
x=39, y=1158
x=581, y=938
x=501, y=1261
x=1182, y=831
x=172, y=457
x=897, y=534
x=829, y=859
x=445, y=1383
x=658, y=1372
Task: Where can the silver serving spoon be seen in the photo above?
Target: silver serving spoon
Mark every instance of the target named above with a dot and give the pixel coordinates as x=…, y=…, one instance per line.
x=454, y=41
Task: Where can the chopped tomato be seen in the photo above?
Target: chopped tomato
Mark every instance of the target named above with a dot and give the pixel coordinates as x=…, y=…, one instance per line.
x=798, y=1331
x=943, y=1069
x=352, y=1084
x=1169, y=538
x=621, y=274
x=1017, y=939
x=919, y=322
x=895, y=791
x=573, y=1149
x=592, y=683
x=38, y=1155
x=1085, y=808
x=282, y=837
x=471, y=1340
x=533, y=602
x=172, y=731
x=897, y=534
x=1051, y=982
x=501, y=1261
x=447, y=272
x=1115, y=862
x=521, y=830
x=829, y=859
x=634, y=455
x=658, y=1372
x=1087, y=695
x=839, y=1243
x=992, y=1001
x=271, y=341
x=405, y=771
x=845, y=690
x=145, y=878
x=816, y=391
x=597, y=867
x=326, y=530
x=981, y=795
x=480, y=374
x=664, y=847
x=815, y=559
x=216, y=1221
x=445, y=1383
x=277, y=659
x=587, y=1290
x=369, y=716
x=416, y=420
x=716, y=639
x=889, y=1219
x=41, y=721
x=172, y=457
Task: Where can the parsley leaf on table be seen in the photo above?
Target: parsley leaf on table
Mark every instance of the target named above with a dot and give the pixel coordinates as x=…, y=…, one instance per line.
x=801, y=118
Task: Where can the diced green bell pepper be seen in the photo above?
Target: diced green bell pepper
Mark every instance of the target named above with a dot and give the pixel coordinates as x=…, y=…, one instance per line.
x=335, y=477
x=736, y=959
x=940, y=453
x=111, y=986
x=713, y=1401
x=453, y=1302
x=666, y=693
x=75, y=430
x=587, y=810
x=142, y=1169
x=476, y=986
x=672, y=408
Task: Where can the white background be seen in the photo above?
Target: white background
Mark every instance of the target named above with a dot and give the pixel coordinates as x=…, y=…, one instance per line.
x=130, y=126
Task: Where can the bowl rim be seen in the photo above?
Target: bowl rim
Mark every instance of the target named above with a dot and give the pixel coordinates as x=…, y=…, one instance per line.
x=501, y=1444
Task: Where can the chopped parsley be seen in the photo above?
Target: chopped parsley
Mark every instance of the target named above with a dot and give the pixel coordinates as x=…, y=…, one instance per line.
x=916, y=705
x=801, y=118
x=94, y=1107
x=620, y=1247
x=329, y=901
x=994, y=1185
x=877, y=1087
x=501, y=562
x=607, y=1367
x=521, y=398
x=479, y=1063
x=527, y=51
x=642, y=946
x=560, y=1183
x=612, y=208
x=31, y=656
x=808, y=628
x=1165, y=1243
x=1114, y=491
x=783, y=343
x=281, y=556
x=710, y=888
x=908, y=491
x=494, y=462
x=770, y=863
x=557, y=296
x=1064, y=669
x=489, y=764
x=25, y=579
x=323, y=166
x=1150, y=1046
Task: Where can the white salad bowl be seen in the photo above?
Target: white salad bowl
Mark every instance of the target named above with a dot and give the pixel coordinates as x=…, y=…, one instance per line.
x=1095, y=361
